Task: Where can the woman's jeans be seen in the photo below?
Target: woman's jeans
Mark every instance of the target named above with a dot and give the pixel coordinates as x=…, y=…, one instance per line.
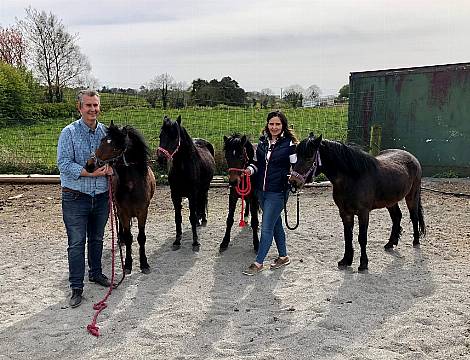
x=272, y=204
x=84, y=216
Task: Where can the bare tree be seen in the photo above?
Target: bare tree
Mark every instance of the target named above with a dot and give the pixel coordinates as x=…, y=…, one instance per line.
x=313, y=92
x=162, y=83
x=55, y=57
x=266, y=97
x=12, y=47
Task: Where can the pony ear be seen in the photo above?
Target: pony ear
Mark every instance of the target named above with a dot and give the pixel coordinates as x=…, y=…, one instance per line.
x=243, y=139
x=311, y=134
x=225, y=139
x=178, y=120
x=111, y=123
x=318, y=140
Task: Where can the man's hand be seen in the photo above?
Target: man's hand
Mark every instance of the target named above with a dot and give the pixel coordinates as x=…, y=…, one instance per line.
x=103, y=171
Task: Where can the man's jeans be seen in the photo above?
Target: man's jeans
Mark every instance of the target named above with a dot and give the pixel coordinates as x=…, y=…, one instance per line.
x=84, y=216
x=272, y=204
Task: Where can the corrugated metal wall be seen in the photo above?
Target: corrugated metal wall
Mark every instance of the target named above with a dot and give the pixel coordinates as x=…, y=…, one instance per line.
x=425, y=110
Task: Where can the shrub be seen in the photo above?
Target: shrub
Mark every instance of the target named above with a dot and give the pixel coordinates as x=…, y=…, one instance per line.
x=55, y=110
x=18, y=93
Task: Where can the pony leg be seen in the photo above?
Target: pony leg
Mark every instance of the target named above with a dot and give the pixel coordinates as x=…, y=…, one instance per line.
x=141, y=239
x=194, y=220
x=395, y=214
x=348, y=225
x=126, y=237
x=178, y=219
x=254, y=206
x=413, y=201
x=247, y=210
x=232, y=204
x=363, y=226
x=202, y=208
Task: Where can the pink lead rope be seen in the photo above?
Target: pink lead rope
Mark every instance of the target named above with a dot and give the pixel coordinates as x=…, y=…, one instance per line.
x=243, y=188
x=92, y=328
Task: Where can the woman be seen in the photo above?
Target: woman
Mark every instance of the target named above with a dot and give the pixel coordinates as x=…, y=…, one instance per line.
x=271, y=167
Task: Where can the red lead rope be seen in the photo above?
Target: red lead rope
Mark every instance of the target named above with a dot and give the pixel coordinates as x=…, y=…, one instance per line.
x=92, y=328
x=243, y=188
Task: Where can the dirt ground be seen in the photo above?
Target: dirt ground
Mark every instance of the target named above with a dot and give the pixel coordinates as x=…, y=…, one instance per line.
x=413, y=303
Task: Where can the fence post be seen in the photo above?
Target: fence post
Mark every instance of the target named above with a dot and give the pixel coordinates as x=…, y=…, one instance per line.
x=375, y=139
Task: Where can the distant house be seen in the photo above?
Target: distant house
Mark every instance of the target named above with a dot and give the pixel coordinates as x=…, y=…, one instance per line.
x=319, y=101
x=310, y=103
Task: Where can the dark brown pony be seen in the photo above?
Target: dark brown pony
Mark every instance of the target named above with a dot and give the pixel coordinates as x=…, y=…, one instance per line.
x=239, y=152
x=133, y=184
x=362, y=183
x=191, y=168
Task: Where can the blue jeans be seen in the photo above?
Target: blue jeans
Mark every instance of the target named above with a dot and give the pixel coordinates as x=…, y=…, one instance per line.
x=272, y=204
x=84, y=216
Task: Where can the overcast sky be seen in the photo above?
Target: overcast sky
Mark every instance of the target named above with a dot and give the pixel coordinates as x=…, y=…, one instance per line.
x=259, y=43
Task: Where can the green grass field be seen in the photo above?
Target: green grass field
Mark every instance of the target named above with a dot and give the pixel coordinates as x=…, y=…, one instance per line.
x=31, y=149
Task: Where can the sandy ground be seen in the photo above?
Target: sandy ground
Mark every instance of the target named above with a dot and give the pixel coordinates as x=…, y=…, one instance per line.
x=413, y=303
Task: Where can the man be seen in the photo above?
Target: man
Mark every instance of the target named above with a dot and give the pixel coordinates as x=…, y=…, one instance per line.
x=84, y=195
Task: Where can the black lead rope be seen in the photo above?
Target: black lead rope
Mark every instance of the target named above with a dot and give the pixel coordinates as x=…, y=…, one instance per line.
x=293, y=190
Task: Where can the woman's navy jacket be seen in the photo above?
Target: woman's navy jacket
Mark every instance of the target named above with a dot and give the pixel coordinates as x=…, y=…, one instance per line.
x=272, y=174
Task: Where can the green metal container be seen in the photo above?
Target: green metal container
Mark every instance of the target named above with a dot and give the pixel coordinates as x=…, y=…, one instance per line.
x=424, y=110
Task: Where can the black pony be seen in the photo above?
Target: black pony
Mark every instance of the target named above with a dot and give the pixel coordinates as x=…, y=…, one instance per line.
x=133, y=184
x=191, y=168
x=239, y=152
x=362, y=183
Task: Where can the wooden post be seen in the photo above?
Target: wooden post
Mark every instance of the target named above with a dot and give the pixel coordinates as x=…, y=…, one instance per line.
x=375, y=139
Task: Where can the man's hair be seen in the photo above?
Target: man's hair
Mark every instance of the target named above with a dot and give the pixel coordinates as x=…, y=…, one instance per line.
x=87, y=92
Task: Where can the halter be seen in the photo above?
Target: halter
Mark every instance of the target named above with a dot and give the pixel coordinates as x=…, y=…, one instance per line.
x=166, y=152
x=316, y=163
x=100, y=163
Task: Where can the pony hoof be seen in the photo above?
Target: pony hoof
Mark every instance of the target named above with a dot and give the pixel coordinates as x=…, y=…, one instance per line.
x=145, y=270
x=344, y=263
x=222, y=248
x=388, y=246
x=196, y=247
x=204, y=223
x=416, y=243
x=175, y=247
x=127, y=271
x=362, y=269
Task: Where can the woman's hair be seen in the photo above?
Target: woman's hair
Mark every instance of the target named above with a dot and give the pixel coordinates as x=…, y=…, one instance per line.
x=285, y=126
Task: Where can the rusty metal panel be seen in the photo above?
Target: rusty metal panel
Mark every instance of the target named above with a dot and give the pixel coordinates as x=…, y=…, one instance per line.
x=423, y=110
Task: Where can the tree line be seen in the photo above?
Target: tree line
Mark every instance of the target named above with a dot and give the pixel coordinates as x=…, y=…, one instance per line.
x=40, y=61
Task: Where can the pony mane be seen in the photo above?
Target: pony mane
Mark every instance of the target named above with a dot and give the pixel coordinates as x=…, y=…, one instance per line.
x=139, y=144
x=349, y=159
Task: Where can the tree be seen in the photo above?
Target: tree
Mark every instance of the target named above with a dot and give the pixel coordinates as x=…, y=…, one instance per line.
x=226, y=91
x=55, y=57
x=18, y=91
x=12, y=47
x=266, y=98
x=294, y=95
x=344, y=92
x=162, y=83
x=313, y=92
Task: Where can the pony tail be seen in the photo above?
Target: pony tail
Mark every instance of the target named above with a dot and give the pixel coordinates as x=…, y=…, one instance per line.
x=421, y=224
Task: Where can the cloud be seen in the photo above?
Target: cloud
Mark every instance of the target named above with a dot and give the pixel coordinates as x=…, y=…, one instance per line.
x=259, y=43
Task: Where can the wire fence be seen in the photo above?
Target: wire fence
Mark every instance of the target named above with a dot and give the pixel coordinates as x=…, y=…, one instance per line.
x=31, y=149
